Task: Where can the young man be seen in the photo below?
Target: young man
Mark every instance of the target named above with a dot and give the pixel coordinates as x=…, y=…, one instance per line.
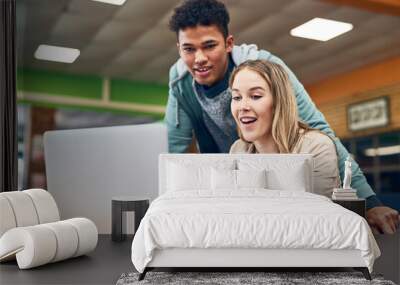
x=199, y=98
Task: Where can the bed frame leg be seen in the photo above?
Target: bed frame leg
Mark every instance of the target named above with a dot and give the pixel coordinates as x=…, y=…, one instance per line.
x=143, y=274
x=364, y=271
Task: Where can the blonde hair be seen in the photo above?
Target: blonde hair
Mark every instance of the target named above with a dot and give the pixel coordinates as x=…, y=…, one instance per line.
x=286, y=125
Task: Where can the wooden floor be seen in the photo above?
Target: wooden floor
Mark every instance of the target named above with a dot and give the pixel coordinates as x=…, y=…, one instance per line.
x=102, y=266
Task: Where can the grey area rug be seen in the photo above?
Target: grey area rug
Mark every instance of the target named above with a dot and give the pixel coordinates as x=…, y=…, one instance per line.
x=269, y=278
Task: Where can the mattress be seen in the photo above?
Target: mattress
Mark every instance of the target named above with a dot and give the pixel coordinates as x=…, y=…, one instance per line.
x=250, y=219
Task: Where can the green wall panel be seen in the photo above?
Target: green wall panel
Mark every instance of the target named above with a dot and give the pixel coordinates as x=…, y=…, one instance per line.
x=138, y=92
x=90, y=87
x=54, y=83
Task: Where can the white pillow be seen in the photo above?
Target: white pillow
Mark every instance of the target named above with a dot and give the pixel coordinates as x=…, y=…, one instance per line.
x=251, y=178
x=223, y=179
x=193, y=174
x=226, y=179
x=181, y=177
x=293, y=180
x=281, y=173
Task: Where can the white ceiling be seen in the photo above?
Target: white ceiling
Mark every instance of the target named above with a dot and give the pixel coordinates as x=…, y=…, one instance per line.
x=133, y=41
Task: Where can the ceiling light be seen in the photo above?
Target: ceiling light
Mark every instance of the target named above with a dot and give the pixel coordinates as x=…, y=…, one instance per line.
x=113, y=2
x=387, y=150
x=321, y=29
x=55, y=53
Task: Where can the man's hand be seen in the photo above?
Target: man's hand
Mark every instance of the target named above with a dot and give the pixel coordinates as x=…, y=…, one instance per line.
x=383, y=219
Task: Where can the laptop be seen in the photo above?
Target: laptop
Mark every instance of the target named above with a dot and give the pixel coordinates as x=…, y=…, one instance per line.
x=85, y=168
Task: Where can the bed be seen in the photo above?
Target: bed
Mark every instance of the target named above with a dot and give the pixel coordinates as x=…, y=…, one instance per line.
x=246, y=211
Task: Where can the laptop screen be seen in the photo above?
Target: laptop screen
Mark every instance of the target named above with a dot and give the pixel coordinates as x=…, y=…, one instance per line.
x=85, y=168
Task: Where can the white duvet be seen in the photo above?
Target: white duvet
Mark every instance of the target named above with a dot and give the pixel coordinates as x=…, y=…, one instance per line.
x=250, y=218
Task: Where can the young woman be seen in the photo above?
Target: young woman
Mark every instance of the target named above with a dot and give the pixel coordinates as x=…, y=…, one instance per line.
x=265, y=110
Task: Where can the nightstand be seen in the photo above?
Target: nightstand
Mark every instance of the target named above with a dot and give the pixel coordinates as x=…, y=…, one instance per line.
x=357, y=206
x=139, y=205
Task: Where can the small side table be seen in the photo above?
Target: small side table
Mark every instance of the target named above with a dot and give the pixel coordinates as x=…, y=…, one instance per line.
x=357, y=206
x=121, y=204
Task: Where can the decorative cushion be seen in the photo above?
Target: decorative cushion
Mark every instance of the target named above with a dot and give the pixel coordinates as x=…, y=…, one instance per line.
x=189, y=175
x=226, y=179
x=182, y=177
x=251, y=178
x=292, y=179
x=223, y=179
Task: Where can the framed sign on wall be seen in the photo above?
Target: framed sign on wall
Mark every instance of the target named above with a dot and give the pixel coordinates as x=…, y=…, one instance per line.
x=368, y=114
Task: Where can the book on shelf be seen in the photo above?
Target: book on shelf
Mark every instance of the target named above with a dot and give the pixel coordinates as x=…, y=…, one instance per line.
x=345, y=194
x=341, y=190
x=335, y=197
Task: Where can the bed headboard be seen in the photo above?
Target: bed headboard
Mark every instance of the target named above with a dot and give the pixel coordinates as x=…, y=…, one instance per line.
x=285, y=164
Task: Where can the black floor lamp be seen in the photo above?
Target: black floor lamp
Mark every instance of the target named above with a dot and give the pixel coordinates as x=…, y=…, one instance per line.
x=8, y=105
